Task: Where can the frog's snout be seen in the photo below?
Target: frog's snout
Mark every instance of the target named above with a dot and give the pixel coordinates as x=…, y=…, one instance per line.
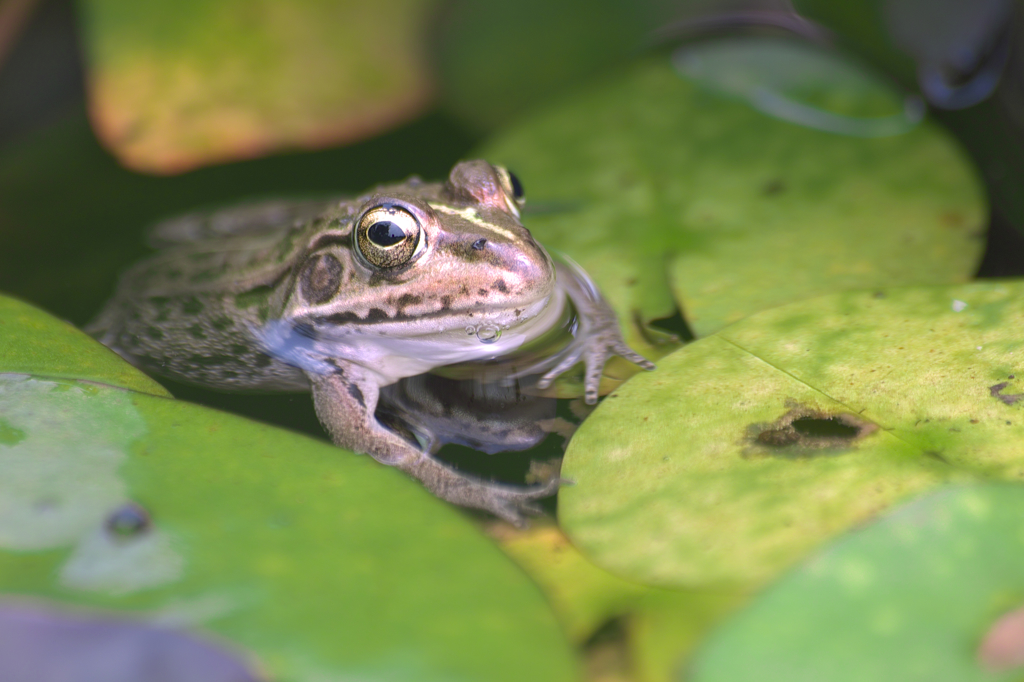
x=524, y=272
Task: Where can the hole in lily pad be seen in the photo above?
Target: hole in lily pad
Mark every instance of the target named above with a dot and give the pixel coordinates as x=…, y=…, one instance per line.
x=804, y=432
x=813, y=427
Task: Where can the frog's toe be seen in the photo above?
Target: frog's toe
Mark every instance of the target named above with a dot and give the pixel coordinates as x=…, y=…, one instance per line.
x=564, y=365
x=516, y=511
x=592, y=383
x=622, y=350
x=548, y=488
x=515, y=504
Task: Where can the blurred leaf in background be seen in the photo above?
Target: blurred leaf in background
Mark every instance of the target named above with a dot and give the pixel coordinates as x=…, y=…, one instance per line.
x=178, y=84
x=912, y=597
x=965, y=57
x=495, y=62
x=71, y=217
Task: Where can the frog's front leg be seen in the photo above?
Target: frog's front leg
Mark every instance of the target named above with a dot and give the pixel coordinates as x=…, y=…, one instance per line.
x=599, y=336
x=345, y=402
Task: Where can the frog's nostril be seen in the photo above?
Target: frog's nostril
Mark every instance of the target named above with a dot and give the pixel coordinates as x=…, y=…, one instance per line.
x=479, y=244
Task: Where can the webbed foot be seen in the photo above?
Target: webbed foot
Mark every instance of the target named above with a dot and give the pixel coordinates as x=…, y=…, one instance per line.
x=511, y=503
x=599, y=337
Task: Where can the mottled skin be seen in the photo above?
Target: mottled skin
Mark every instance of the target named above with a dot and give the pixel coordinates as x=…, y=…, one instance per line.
x=315, y=296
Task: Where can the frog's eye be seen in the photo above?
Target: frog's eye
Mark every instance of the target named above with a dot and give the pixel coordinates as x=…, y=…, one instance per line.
x=517, y=188
x=512, y=186
x=388, y=236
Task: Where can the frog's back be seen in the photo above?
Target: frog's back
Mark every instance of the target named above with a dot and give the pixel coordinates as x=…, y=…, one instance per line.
x=188, y=310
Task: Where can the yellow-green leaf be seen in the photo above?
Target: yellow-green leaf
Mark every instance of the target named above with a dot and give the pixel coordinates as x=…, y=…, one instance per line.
x=746, y=450
x=32, y=342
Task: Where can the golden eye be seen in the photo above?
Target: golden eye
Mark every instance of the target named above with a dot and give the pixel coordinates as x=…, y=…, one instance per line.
x=388, y=236
x=513, y=188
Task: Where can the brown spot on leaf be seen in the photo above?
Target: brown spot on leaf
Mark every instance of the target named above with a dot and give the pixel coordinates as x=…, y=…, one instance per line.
x=997, y=392
x=807, y=432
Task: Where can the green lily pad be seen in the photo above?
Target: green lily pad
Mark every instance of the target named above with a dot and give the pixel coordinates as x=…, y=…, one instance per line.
x=36, y=343
x=746, y=450
x=319, y=563
x=801, y=83
x=174, y=85
x=674, y=197
x=909, y=598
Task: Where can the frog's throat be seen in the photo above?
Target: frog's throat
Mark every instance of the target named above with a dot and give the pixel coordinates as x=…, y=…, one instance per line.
x=393, y=357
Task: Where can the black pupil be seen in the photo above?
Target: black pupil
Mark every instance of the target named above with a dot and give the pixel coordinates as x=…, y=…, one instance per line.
x=517, y=187
x=385, y=233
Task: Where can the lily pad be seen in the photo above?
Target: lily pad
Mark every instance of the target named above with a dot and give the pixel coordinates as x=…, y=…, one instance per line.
x=801, y=83
x=175, y=85
x=912, y=597
x=676, y=198
x=746, y=450
x=318, y=563
x=36, y=343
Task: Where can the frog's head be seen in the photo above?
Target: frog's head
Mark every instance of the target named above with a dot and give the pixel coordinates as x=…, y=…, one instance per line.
x=422, y=259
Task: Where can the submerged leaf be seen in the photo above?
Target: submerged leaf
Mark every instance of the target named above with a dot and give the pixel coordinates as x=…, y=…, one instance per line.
x=43, y=642
x=661, y=627
x=802, y=84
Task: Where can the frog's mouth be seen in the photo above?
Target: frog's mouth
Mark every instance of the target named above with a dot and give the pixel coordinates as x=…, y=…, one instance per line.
x=395, y=350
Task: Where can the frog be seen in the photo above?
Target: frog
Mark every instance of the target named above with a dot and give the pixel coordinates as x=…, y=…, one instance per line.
x=347, y=295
